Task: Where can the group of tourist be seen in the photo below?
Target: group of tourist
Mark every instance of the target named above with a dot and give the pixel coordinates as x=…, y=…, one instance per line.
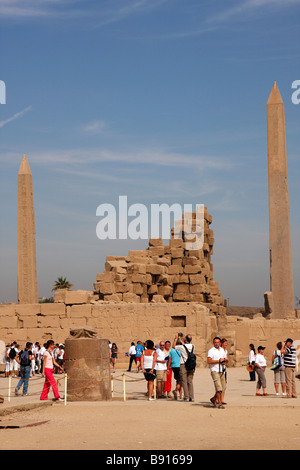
x=162, y=361
x=33, y=359
x=12, y=367
x=284, y=360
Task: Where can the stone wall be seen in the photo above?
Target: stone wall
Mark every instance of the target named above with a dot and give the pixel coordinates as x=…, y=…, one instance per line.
x=126, y=322
x=120, y=323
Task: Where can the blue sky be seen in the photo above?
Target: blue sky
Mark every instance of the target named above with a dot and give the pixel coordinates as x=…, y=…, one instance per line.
x=160, y=100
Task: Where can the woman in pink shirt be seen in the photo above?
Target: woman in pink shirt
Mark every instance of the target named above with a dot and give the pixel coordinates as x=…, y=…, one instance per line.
x=48, y=372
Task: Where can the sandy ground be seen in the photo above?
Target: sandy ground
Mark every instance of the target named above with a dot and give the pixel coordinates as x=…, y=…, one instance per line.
x=247, y=422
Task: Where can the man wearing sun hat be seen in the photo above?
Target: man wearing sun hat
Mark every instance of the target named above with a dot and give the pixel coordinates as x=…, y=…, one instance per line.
x=290, y=356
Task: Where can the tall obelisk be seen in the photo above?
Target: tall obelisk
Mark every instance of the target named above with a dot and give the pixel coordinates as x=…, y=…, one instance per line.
x=281, y=271
x=27, y=273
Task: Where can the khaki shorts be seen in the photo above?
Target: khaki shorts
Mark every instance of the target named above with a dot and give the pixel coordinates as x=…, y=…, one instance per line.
x=161, y=376
x=219, y=381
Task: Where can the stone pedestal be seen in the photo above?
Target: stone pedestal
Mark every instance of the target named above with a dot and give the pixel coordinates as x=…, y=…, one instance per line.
x=87, y=366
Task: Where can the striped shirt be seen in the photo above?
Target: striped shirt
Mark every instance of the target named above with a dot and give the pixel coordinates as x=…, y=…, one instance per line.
x=290, y=357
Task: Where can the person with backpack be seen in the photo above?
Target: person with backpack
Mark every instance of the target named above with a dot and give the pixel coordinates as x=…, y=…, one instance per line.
x=24, y=358
x=279, y=371
x=187, y=365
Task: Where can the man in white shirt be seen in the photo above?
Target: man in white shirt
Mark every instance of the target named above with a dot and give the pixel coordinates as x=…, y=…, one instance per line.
x=216, y=359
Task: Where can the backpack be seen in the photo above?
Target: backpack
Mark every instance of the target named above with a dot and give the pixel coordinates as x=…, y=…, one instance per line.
x=12, y=353
x=24, y=358
x=190, y=363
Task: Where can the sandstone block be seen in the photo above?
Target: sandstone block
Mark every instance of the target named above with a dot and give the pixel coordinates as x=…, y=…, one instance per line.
x=175, y=269
x=158, y=299
x=78, y=297
x=131, y=297
x=107, y=288
x=155, y=242
x=155, y=269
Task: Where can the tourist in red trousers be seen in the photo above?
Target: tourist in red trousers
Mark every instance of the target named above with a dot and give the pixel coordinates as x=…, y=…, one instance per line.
x=48, y=364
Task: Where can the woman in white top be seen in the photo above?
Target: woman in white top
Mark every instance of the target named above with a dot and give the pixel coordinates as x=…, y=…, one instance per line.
x=260, y=367
x=148, y=361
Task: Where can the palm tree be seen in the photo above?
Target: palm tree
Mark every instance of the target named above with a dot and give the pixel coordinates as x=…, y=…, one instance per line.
x=62, y=283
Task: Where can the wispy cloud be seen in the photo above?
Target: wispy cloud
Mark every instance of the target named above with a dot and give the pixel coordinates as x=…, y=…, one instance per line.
x=15, y=116
x=247, y=7
x=103, y=12
x=95, y=127
x=157, y=157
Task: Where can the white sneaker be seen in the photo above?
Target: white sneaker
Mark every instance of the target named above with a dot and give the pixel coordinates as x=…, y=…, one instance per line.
x=150, y=399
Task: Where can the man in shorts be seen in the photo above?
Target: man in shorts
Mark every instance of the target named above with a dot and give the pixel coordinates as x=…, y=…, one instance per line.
x=216, y=359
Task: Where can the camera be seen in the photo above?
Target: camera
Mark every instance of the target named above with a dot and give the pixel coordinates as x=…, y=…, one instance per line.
x=180, y=335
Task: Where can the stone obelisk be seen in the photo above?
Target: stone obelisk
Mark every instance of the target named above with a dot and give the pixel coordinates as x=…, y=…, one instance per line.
x=27, y=273
x=281, y=271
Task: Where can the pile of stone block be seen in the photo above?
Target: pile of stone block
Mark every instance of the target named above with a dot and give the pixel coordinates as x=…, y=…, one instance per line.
x=180, y=271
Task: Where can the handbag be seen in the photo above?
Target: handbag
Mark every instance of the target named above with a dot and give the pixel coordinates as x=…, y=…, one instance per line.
x=276, y=363
x=250, y=367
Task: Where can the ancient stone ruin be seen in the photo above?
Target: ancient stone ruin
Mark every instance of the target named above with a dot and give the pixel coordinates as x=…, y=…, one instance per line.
x=166, y=272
